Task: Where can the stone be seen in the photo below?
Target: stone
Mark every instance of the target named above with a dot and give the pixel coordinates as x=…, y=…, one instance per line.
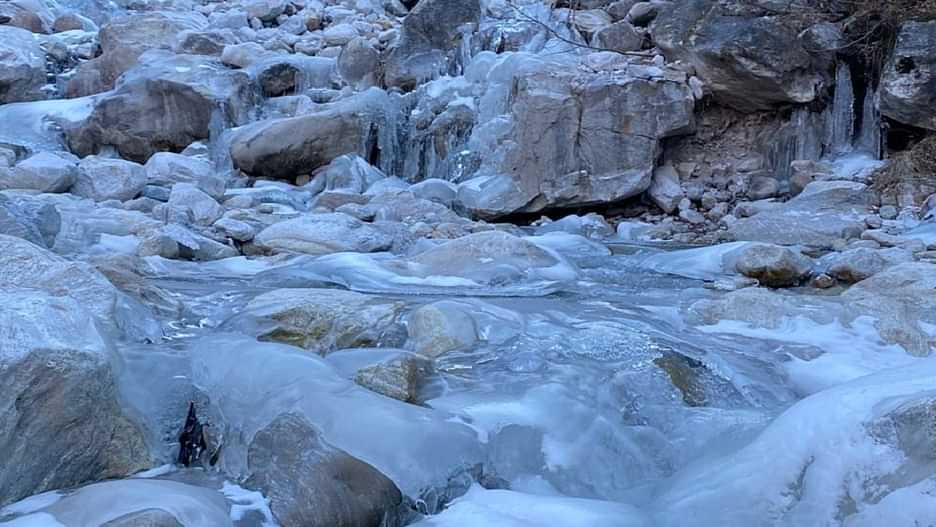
x=746, y=60
x=772, y=265
x=22, y=66
x=323, y=234
x=60, y=421
x=349, y=173
x=123, y=40
x=359, y=63
x=287, y=148
x=437, y=190
x=314, y=484
x=642, y=13
x=440, y=327
x=280, y=75
x=31, y=220
x=43, y=172
x=166, y=103
x=210, y=42
x=619, y=36
x=145, y=518
x=665, y=191
x=175, y=242
x=324, y=320
x=824, y=212
x=909, y=76
x=570, y=141
x=763, y=187
x=900, y=297
x=187, y=201
x=854, y=265
x=101, y=179
x=399, y=378
x=431, y=34
x=242, y=55
x=165, y=169
x=888, y=212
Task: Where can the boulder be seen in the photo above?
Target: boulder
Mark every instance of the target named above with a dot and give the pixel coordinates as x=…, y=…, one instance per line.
x=60, y=421
x=908, y=81
x=431, y=34
x=26, y=265
x=323, y=234
x=287, y=148
x=324, y=320
x=571, y=140
x=178, y=243
x=748, y=58
x=665, y=191
x=772, y=265
x=314, y=484
x=165, y=169
x=440, y=327
x=854, y=265
x=619, y=36
x=400, y=377
x=824, y=212
x=359, y=63
x=43, y=172
x=123, y=40
x=349, y=173
x=280, y=75
x=22, y=66
x=102, y=179
x=188, y=203
x=165, y=103
x=29, y=219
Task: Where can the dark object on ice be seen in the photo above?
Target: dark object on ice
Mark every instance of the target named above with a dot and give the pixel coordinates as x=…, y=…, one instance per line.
x=192, y=439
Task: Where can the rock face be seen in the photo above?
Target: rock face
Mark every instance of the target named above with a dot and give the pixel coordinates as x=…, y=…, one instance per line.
x=123, y=40
x=60, y=423
x=287, y=148
x=328, y=319
x=314, y=484
x=748, y=57
x=574, y=141
x=824, y=212
x=908, y=82
x=429, y=36
x=22, y=66
x=323, y=234
x=772, y=266
x=165, y=103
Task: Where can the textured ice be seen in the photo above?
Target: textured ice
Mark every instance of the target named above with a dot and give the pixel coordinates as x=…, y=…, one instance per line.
x=504, y=508
x=251, y=383
x=703, y=263
x=813, y=465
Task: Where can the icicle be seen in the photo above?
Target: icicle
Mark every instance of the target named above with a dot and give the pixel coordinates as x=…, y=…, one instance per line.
x=843, y=111
x=869, y=136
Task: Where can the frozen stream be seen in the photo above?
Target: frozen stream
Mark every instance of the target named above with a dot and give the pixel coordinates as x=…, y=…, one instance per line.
x=606, y=401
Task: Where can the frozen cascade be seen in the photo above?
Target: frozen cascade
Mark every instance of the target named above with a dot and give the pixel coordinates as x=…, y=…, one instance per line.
x=843, y=110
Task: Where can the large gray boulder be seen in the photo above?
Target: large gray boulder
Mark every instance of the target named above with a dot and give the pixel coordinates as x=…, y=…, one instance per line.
x=165, y=103
x=572, y=140
x=908, y=82
x=772, y=265
x=313, y=484
x=43, y=172
x=102, y=179
x=824, y=212
x=26, y=265
x=749, y=57
x=60, y=421
x=22, y=66
x=123, y=40
x=428, y=41
x=29, y=219
x=287, y=148
x=323, y=234
x=328, y=319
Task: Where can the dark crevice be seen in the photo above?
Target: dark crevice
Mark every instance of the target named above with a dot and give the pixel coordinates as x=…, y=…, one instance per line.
x=900, y=137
